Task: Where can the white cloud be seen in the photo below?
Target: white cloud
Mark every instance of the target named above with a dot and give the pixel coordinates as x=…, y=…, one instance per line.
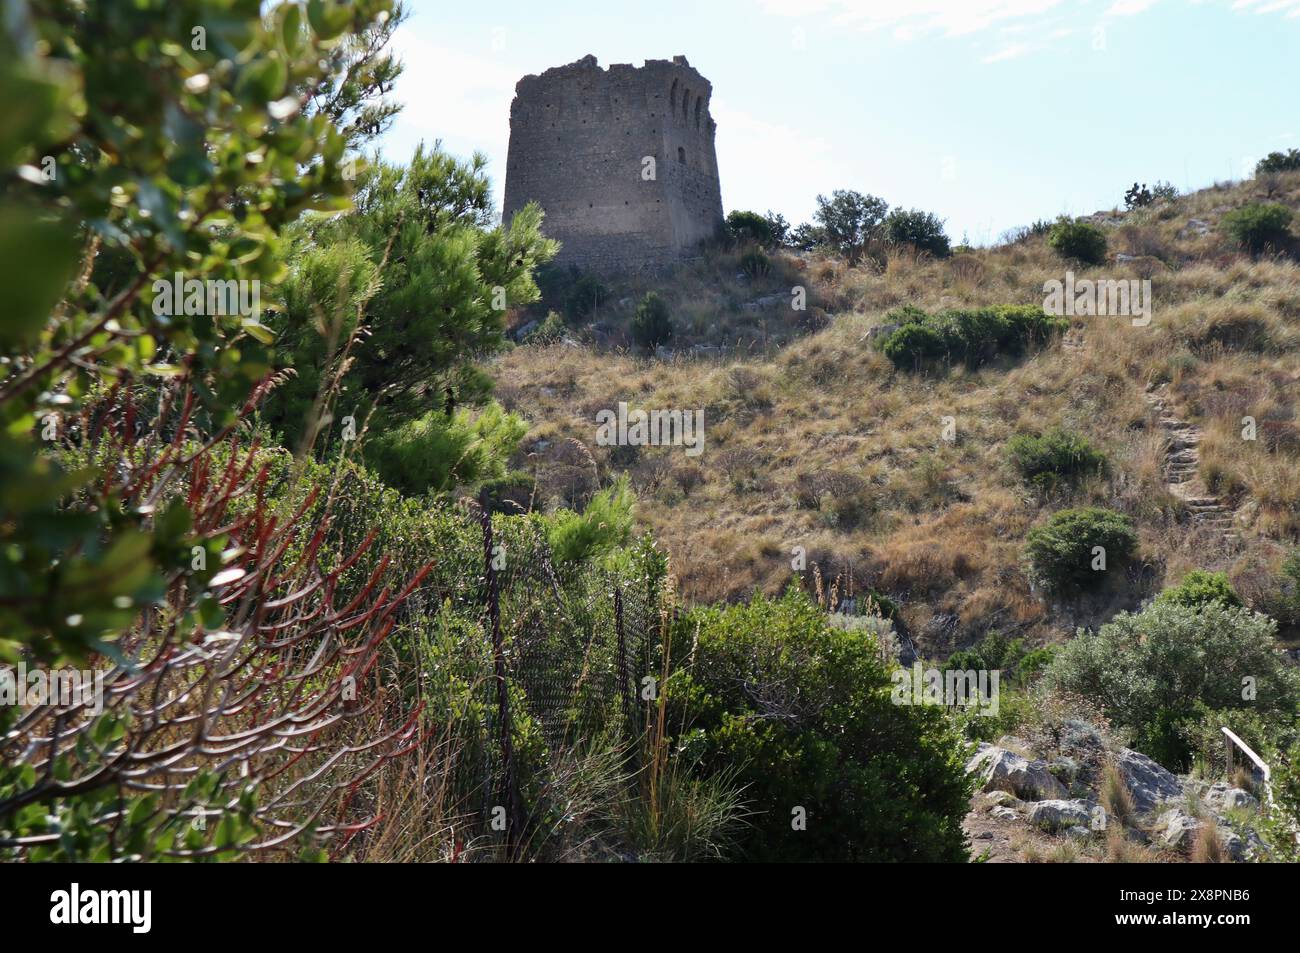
x=964, y=17
x=1007, y=53
x=949, y=17
x=1272, y=6
x=1128, y=8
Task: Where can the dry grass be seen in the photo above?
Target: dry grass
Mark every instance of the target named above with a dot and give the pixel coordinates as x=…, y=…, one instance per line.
x=937, y=523
x=1121, y=849
x=1207, y=848
x=1117, y=799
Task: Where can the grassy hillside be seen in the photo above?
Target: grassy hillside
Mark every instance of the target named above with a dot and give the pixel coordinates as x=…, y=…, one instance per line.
x=824, y=444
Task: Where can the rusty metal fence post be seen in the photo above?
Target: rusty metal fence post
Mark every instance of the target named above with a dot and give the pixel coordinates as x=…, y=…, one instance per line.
x=510, y=794
x=626, y=702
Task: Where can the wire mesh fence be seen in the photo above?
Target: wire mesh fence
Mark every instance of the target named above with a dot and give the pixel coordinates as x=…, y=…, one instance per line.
x=571, y=646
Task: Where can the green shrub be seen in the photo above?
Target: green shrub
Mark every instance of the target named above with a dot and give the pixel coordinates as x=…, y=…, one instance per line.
x=1282, y=822
x=1017, y=663
x=1281, y=598
x=884, y=606
x=1151, y=671
x=802, y=710
x=439, y=453
x=1081, y=241
x=1053, y=458
x=1139, y=196
x=766, y=230
x=849, y=219
x=1258, y=227
x=1288, y=161
x=973, y=336
x=755, y=264
x=511, y=493
x=585, y=298
x=1200, y=588
x=922, y=230
x=1062, y=552
x=906, y=314
x=652, y=325
x=913, y=344
x=550, y=331
x=604, y=525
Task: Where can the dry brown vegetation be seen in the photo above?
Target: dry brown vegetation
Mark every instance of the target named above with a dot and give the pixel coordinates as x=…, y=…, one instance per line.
x=822, y=444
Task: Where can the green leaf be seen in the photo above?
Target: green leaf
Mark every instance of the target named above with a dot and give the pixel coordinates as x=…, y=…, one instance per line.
x=291, y=28
x=38, y=256
x=327, y=20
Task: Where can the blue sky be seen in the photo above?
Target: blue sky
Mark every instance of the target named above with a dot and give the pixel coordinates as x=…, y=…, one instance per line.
x=991, y=113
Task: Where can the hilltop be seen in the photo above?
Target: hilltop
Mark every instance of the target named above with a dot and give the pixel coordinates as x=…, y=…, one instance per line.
x=816, y=440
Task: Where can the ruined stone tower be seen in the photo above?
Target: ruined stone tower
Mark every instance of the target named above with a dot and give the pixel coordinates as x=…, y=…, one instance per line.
x=579, y=141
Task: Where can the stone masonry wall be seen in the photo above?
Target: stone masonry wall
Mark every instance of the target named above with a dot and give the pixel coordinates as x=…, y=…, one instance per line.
x=579, y=135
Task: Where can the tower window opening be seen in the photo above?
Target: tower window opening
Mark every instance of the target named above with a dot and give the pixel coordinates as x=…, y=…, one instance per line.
x=681, y=155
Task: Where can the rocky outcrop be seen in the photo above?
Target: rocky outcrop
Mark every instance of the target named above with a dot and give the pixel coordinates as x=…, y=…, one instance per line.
x=1001, y=770
x=1150, y=784
x=1223, y=797
x=1176, y=828
x=1049, y=785
x=1059, y=815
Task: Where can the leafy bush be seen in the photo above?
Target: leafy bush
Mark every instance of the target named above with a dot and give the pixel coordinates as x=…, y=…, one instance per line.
x=1200, y=588
x=1053, y=458
x=972, y=336
x=997, y=650
x=1139, y=196
x=438, y=453
x=1288, y=161
x=1283, y=821
x=604, y=525
x=1061, y=553
x=512, y=492
x=152, y=173
x=806, y=236
x=1280, y=598
x=913, y=344
x=849, y=219
x=923, y=230
x=1079, y=240
x=1258, y=226
x=585, y=298
x=767, y=230
x=549, y=331
x=652, y=325
x=755, y=264
x=449, y=276
x=802, y=710
x=1151, y=670
x=906, y=314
